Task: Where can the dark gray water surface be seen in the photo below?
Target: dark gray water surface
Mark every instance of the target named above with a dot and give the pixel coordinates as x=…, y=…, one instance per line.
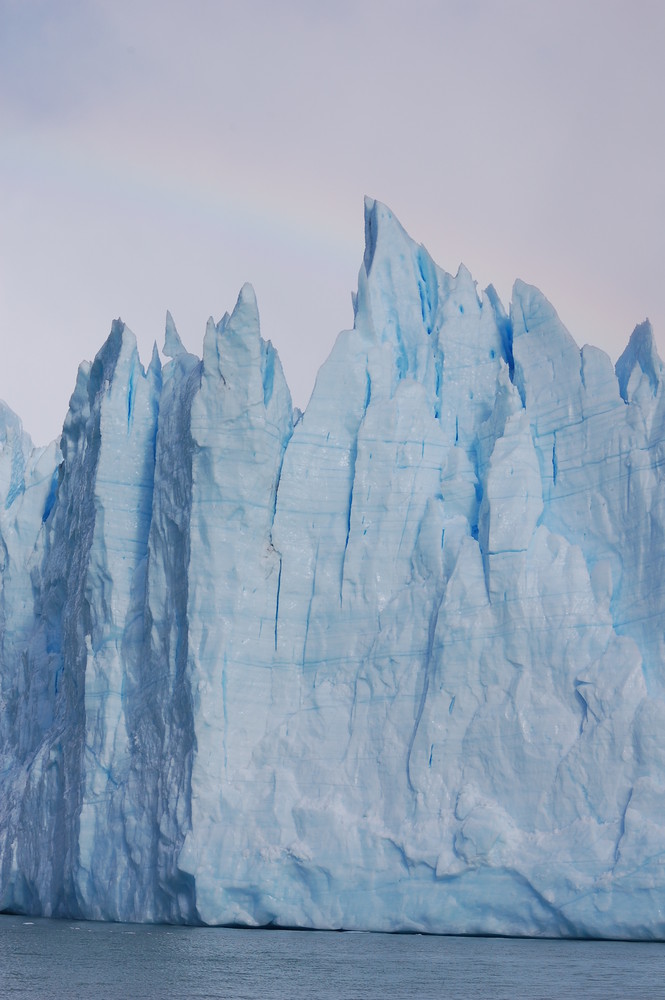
x=68, y=959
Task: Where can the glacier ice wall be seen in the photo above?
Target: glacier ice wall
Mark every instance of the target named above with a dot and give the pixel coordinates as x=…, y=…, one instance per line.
x=394, y=663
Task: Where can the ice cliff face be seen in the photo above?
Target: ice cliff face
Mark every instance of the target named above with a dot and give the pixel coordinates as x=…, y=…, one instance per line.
x=396, y=663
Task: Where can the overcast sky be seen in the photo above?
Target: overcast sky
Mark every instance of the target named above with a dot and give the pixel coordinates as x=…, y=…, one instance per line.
x=157, y=154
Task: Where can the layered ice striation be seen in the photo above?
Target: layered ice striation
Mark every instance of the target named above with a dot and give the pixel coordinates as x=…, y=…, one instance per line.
x=396, y=663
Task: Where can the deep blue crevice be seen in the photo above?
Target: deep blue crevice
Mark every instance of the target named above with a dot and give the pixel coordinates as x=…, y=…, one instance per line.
x=583, y=704
x=368, y=392
x=506, y=331
x=370, y=234
x=352, y=462
x=402, y=360
x=279, y=584
x=52, y=494
x=131, y=396
x=505, y=328
x=555, y=467
x=428, y=289
x=268, y=372
x=438, y=381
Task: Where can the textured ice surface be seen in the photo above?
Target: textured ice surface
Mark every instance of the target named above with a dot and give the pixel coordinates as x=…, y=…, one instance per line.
x=396, y=663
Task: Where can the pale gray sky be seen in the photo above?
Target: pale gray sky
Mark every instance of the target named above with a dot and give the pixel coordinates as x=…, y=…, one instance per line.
x=156, y=154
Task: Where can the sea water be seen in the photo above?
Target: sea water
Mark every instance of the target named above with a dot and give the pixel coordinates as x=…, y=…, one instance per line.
x=90, y=961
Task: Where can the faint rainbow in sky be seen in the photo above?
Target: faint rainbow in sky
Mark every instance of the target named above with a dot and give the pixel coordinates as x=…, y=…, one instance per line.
x=243, y=203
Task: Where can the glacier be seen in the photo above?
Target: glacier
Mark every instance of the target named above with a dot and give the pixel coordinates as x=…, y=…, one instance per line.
x=394, y=663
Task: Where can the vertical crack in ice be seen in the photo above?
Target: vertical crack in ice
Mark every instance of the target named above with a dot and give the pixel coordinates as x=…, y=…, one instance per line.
x=506, y=331
x=352, y=463
x=585, y=708
x=371, y=233
x=131, y=393
x=401, y=354
x=309, y=606
x=52, y=494
x=505, y=327
x=427, y=668
x=273, y=511
x=438, y=380
x=427, y=289
x=267, y=371
x=279, y=584
x=555, y=467
x=353, y=456
x=622, y=827
x=278, y=479
x=628, y=478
